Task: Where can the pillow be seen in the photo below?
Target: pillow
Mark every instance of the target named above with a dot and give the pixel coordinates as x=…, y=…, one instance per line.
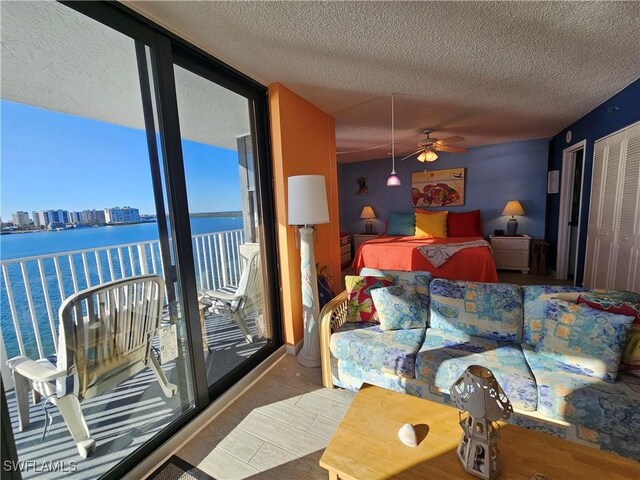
x=431, y=225
x=623, y=303
x=585, y=338
x=464, y=224
x=399, y=223
x=399, y=308
x=360, y=307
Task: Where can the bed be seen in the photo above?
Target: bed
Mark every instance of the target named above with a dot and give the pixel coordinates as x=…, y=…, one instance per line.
x=401, y=253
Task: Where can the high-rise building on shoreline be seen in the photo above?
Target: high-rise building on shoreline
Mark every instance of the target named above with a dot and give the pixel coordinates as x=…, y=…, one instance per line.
x=21, y=219
x=121, y=215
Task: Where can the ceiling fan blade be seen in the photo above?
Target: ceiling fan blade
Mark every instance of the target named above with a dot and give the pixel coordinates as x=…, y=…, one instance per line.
x=411, y=154
x=449, y=148
x=450, y=140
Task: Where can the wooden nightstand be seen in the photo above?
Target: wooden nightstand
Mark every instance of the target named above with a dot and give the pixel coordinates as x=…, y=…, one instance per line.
x=360, y=238
x=511, y=253
x=345, y=250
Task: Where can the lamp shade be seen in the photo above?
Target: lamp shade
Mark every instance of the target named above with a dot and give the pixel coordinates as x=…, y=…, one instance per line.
x=393, y=180
x=428, y=156
x=367, y=212
x=307, y=200
x=513, y=207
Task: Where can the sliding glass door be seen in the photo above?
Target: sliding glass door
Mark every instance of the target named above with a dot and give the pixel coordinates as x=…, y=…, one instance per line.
x=127, y=156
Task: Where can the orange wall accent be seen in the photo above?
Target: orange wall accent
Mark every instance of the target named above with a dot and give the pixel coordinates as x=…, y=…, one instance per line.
x=303, y=142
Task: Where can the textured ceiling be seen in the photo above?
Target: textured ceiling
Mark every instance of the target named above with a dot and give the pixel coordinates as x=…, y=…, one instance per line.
x=490, y=71
x=55, y=58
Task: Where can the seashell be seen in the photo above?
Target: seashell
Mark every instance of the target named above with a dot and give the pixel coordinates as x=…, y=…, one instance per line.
x=407, y=435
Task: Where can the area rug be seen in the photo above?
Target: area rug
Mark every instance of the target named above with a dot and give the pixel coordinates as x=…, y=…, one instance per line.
x=178, y=469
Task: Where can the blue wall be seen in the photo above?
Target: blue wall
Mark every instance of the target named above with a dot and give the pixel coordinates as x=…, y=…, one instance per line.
x=495, y=174
x=596, y=124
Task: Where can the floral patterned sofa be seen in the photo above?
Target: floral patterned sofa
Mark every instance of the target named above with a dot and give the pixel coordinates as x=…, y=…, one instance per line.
x=498, y=326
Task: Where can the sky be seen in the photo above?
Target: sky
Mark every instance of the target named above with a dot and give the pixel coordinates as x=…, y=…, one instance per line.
x=51, y=160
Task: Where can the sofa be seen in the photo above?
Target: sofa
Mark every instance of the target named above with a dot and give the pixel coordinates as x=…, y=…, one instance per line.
x=548, y=392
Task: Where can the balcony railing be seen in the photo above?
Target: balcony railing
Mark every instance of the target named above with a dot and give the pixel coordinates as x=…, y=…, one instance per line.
x=33, y=288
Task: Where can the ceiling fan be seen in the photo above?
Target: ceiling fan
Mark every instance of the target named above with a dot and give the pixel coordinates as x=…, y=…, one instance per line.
x=429, y=146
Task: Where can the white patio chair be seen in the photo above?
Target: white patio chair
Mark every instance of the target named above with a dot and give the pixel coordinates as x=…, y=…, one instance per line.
x=245, y=299
x=104, y=338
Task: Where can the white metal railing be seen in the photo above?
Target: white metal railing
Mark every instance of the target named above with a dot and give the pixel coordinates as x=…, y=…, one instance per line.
x=33, y=288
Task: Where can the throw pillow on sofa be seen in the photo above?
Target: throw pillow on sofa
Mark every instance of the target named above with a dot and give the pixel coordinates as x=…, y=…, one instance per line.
x=623, y=303
x=399, y=308
x=588, y=339
x=360, y=307
x=489, y=310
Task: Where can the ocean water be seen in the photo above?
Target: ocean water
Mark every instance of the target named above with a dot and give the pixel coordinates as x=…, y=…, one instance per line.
x=42, y=243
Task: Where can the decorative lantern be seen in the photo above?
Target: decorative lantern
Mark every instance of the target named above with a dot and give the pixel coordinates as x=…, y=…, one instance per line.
x=478, y=393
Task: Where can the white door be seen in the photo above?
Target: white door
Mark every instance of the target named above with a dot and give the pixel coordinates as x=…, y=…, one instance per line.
x=593, y=228
x=625, y=272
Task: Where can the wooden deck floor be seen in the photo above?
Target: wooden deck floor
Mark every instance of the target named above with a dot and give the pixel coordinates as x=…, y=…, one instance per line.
x=278, y=429
x=124, y=418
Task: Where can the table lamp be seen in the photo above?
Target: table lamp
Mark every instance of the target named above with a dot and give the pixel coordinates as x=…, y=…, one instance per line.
x=367, y=214
x=512, y=208
x=307, y=208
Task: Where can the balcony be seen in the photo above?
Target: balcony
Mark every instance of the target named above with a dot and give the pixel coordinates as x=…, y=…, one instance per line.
x=126, y=416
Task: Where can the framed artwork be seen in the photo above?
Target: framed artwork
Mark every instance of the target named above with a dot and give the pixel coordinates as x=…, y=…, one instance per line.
x=438, y=188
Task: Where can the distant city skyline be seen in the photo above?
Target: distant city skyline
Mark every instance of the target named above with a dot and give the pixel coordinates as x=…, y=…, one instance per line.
x=51, y=158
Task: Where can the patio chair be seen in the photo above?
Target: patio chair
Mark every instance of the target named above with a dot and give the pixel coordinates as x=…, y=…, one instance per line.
x=104, y=338
x=239, y=302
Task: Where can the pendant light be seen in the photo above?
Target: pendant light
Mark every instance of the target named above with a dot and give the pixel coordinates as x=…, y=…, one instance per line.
x=393, y=180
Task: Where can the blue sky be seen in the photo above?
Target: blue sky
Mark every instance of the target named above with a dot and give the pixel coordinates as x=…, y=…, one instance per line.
x=51, y=160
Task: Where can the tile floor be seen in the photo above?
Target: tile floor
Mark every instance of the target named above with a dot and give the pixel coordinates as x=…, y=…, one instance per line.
x=276, y=430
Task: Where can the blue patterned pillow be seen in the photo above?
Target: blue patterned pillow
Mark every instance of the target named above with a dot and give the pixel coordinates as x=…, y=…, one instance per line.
x=489, y=310
x=399, y=308
x=588, y=339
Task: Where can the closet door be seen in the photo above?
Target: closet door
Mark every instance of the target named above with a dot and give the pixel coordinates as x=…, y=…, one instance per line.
x=626, y=272
x=590, y=267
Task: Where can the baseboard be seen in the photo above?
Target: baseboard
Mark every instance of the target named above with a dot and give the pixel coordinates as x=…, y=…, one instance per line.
x=294, y=349
x=176, y=442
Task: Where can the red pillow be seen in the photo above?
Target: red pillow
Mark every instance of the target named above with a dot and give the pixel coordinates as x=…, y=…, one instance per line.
x=464, y=224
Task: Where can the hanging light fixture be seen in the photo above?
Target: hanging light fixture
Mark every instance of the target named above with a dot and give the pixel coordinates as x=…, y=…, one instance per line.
x=393, y=180
x=428, y=155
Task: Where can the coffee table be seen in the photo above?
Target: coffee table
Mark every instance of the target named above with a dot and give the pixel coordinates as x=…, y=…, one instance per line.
x=366, y=446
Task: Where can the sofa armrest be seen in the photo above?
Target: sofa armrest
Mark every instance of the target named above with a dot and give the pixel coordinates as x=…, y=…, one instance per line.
x=332, y=316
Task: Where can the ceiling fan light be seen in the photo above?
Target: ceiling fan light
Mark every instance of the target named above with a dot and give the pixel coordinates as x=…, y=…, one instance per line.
x=422, y=157
x=429, y=156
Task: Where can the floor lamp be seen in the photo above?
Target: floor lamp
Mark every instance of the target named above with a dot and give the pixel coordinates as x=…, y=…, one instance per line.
x=307, y=208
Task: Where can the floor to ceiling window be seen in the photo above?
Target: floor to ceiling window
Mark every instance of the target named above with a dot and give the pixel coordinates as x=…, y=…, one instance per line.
x=138, y=246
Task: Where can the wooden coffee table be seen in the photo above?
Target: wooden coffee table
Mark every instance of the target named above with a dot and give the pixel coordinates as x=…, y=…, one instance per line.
x=366, y=446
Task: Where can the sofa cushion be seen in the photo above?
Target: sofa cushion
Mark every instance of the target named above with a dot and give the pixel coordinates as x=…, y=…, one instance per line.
x=444, y=356
x=565, y=394
x=590, y=340
x=360, y=307
x=398, y=308
x=490, y=310
x=536, y=298
x=391, y=351
x=624, y=303
x=420, y=280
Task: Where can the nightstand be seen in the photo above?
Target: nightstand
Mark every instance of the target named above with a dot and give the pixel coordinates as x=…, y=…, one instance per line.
x=511, y=253
x=345, y=250
x=360, y=238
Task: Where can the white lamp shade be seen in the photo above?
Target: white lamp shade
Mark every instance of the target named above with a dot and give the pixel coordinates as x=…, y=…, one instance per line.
x=513, y=207
x=307, y=200
x=367, y=212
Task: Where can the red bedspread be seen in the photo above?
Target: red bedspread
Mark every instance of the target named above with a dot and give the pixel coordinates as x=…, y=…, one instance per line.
x=400, y=253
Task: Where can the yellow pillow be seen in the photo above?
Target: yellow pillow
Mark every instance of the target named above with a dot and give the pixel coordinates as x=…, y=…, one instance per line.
x=431, y=225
